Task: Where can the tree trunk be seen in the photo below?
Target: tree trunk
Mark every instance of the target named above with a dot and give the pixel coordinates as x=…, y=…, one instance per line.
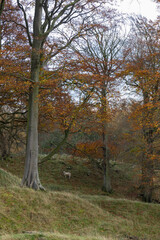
x=147, y=185
x=106, y=165
x=3, y=146
x=30, y=178
x=31, y=175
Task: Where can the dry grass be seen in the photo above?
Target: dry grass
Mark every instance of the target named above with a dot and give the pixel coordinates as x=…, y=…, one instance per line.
x=26, y=214
x=7, y=179
x=24, y=210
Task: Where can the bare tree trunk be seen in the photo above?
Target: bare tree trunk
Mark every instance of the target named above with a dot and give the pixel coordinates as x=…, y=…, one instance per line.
x=30, y=178
x=31, y=175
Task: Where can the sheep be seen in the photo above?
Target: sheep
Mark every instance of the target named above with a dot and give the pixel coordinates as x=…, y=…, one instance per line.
x=67, y=174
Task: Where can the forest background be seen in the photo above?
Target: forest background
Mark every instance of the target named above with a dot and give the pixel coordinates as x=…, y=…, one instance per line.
x=63, y=71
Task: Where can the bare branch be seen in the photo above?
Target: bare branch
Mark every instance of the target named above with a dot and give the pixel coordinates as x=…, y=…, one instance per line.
x=26, y=22
x=64, y=19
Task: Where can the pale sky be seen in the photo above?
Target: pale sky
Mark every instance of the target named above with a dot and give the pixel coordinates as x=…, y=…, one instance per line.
x=146, y=8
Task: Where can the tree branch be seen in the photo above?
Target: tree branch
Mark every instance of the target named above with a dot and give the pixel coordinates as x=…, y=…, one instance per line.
x=67, y=131
x=26, y=22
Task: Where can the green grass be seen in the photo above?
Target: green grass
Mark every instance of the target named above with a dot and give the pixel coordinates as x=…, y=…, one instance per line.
x=50, y=236
x=24, y=210
x=74, y=209
x=8, y=179
x=86, y=176
x=143, y=218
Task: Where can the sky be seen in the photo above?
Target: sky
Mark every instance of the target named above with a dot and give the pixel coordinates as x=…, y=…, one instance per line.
x=146, y=8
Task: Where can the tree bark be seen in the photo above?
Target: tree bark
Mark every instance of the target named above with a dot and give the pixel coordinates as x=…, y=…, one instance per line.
x=106, y=165
x=31, y=175
x=30, y=178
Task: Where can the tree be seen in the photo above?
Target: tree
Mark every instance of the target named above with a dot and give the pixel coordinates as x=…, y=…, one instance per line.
x=12, y=123
x=13, y=93
x=48, y=20
x=99, y=56
x=142, y=73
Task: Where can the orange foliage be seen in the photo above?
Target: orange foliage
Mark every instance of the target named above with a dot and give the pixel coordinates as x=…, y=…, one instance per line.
x=91, y=149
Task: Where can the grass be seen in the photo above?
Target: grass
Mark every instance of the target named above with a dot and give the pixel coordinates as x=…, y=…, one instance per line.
x=74, y=209
x=75, y=217
x=143, y=218
x=86, y=176
x=26, y=210
x=50, y=236
x=8, y=179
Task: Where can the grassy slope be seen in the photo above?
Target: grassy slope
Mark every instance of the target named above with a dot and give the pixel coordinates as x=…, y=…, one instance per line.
x=8, y=179
x=86, y=177
x=23, y=210
x=80, y=213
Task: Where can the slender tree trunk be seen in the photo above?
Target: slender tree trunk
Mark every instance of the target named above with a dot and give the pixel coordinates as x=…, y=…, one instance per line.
x=3, y=146
x=106, y=165
x=31, y=175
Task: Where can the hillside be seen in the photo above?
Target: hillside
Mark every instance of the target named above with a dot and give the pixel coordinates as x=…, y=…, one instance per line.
x=74, y=209
x=26, y=212
x=86, y=175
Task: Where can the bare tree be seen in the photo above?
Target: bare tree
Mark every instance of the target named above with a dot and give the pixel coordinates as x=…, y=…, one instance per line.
x=100, y=53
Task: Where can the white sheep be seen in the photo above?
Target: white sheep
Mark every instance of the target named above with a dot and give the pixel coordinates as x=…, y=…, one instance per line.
x=67, y=174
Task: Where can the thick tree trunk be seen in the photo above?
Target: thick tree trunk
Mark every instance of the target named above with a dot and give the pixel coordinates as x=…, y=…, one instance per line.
x=31, y=176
